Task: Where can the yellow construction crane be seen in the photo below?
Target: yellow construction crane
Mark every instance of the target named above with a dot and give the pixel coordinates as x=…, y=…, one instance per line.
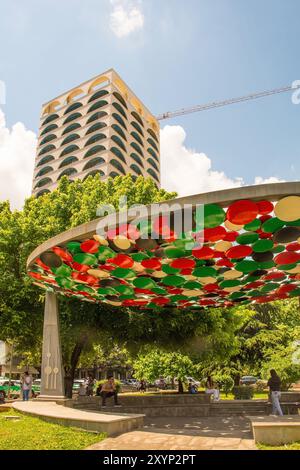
x=219, y=104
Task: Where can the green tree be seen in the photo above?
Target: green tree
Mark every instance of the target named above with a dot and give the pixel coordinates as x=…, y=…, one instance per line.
x=21, y=303
x=157, y=362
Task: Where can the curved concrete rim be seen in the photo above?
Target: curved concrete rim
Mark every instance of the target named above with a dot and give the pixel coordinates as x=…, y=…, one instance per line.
x=272, y=192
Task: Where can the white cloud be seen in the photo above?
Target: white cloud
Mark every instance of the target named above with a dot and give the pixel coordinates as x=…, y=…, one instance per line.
x=17, y=152
x=126, y=17
x=187, y=171
x=270, y=180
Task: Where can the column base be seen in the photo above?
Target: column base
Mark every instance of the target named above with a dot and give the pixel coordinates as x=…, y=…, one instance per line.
x=50, y=398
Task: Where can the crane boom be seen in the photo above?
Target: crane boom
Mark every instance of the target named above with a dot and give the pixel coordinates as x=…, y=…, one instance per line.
x=219, y=104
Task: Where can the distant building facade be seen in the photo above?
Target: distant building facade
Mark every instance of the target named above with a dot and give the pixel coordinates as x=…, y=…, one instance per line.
x=99, y=127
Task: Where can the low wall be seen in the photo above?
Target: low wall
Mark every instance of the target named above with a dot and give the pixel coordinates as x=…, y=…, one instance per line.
x=276, y=431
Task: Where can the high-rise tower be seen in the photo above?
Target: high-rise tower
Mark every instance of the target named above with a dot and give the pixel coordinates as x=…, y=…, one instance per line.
x=98, y=127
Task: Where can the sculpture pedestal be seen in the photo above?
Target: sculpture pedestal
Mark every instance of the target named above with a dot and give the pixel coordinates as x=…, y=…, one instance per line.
x=52, y=381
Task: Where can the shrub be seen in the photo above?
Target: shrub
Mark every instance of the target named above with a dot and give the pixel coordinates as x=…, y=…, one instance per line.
x=261, y=385
x=101, y=382
x=243, y=392
x=225, y=382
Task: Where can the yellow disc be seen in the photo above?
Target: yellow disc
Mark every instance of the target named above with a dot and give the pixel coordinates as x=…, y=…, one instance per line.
x=98, y=273
x=122, y=242
x=295, y=270
x=232, y=274
x=232, y=227
x=192, y=293
x=101, y=240
x=190, y=277
x=137, y=267
x=115, y=304
x=158, y=274
x=208, y=280
x=223, y=246
x=233, y=289
x=288, y=209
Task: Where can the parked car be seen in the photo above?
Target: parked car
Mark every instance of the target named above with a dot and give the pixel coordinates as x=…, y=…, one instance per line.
x=13, y=389
x=248, y=380
x=194, y=382
x=77, y=383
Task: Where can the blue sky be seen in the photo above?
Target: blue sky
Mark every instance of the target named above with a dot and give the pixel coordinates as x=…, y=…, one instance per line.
x=173, y=54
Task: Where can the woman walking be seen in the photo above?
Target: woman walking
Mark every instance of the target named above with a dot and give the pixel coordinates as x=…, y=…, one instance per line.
x=274, y=383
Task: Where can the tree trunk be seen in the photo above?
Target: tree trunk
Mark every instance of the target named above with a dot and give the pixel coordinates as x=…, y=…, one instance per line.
x=70, y=373
x=180, y=386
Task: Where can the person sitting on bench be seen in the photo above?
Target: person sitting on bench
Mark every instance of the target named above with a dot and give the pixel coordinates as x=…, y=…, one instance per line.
x=108, y=390
x=211, y=389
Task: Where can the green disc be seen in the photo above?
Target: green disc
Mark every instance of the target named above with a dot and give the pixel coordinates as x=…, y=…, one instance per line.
x=295, y=223
x=144, y=283
x=62, y=271
x=270, y=286
x=105, y=253
x=246, y=266
x=107, y=291
x=83, y=288
x=191, y=285
x=262, y=245
x=254, y=293
x=138, y=257
x=230, y=283
x=176, y=298
x=173, y=281
x=247, y=238
x=278, y=249
x=169, y=270
x=64, y=282
x=174, y=252
x=85, y=258
x=253, y=226
x=214, y=215
x=123, y=273
x=267, y=265
x=272, y=225
x=236, y=295
x=288, y=267
x=295, y=292
x=205, y=271
x=159, y=291
x=124, y=290
x=74, y=247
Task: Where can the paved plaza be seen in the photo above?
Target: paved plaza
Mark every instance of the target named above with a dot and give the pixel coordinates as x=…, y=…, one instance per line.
x=213, y=433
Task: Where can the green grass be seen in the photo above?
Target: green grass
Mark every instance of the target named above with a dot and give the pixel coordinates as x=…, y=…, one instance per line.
x=257, y=395
x=293, y=446
x=34, y=434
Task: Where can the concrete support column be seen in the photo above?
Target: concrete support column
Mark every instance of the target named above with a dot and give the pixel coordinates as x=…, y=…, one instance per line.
x=52, y=383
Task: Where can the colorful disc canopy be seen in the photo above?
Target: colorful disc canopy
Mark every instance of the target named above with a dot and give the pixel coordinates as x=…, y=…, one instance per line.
x=244, y=253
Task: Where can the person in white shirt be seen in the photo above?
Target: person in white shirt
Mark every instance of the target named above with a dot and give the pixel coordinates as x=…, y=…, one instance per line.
x=212, y=389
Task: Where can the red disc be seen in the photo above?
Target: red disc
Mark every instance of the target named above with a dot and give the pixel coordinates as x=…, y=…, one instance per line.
x=160, y=301
x=211, y=287
x=287, y=257
x=121, y=260
x=64, y=255
x=183, y=263
x=203, y=253
x=293, y=247
x=225, y=262
x=265, y=207
x=274, y=275
x=230, y=236
x=240, y=251
x=214, y=234
x=286, y=288
x=90, y=246
x=242, y=212
x=82, y=268
x=205, y=302
x=151, y=263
